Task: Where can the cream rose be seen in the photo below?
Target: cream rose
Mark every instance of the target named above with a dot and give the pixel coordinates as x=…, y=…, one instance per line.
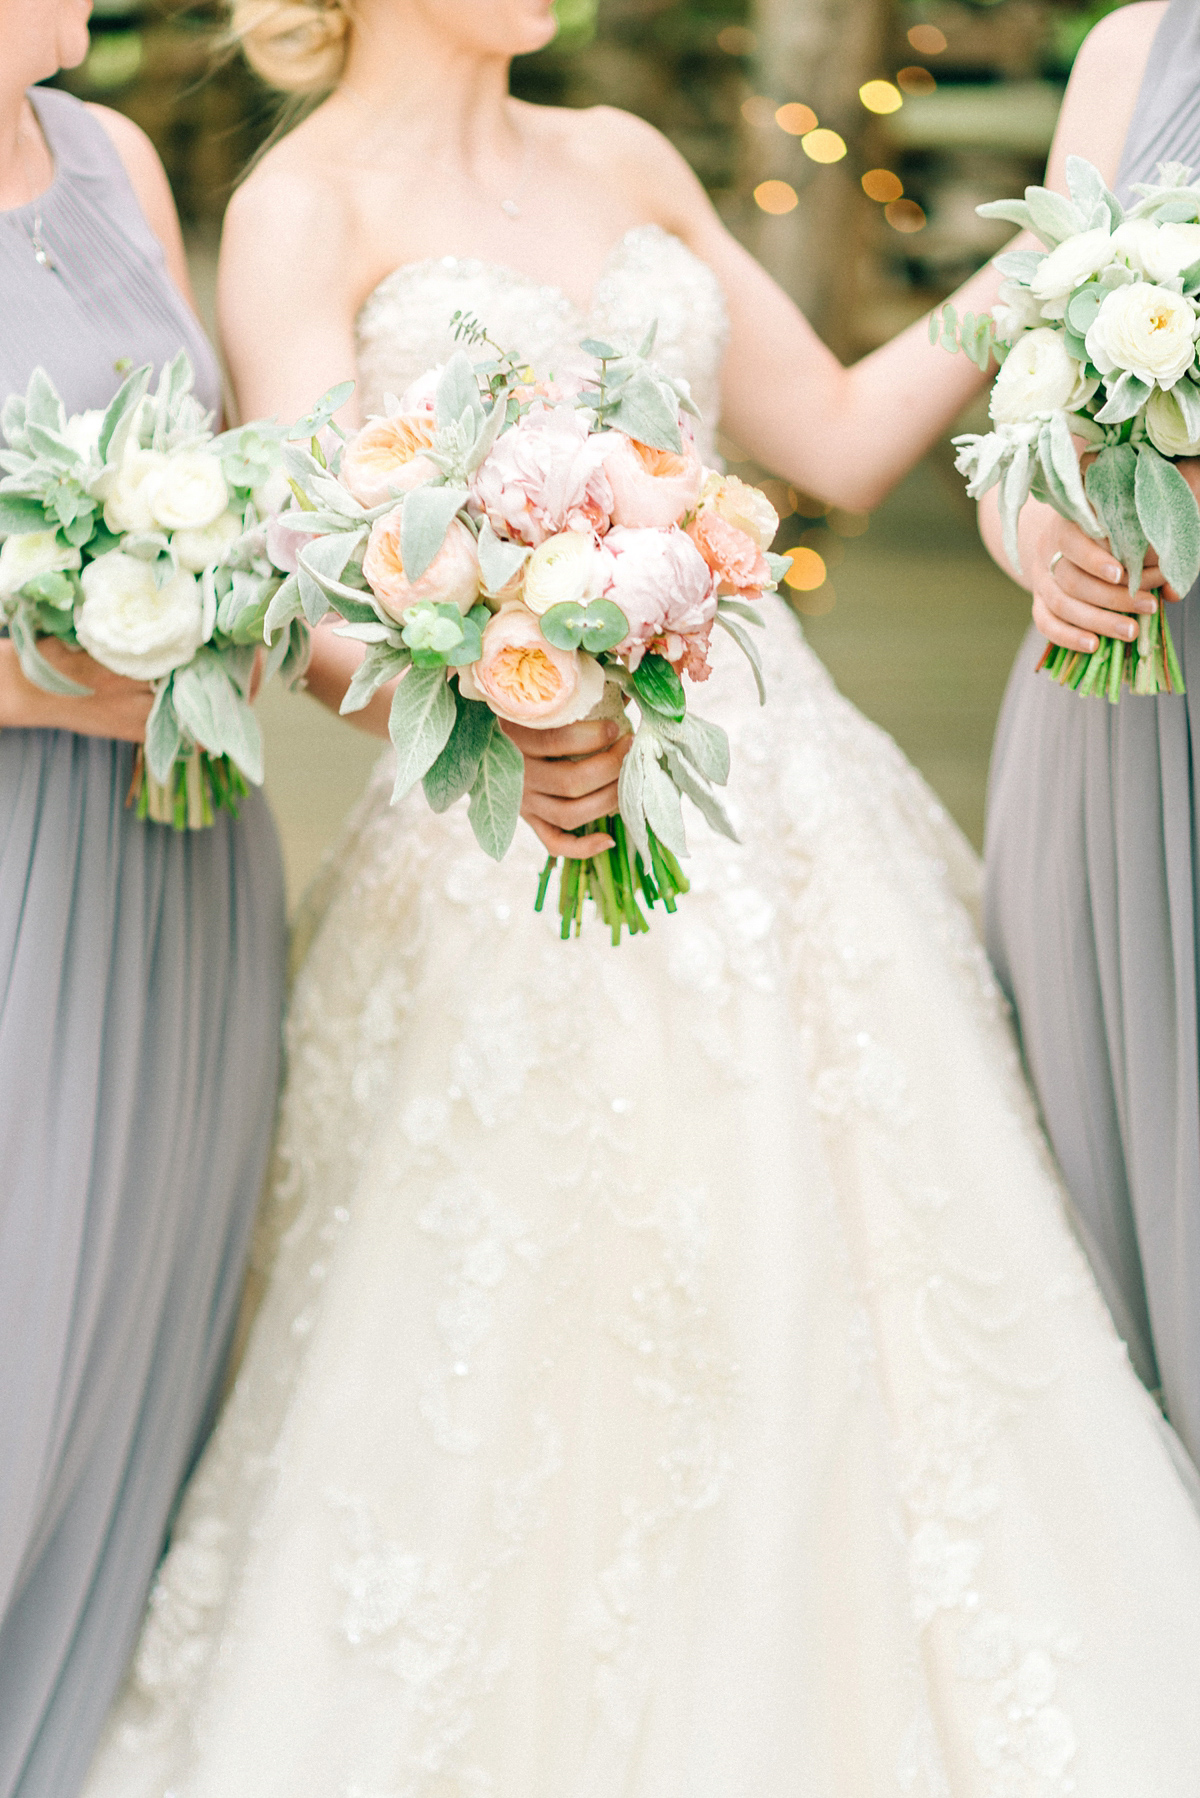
x=199, y=549
x=24, y=557
x=1039, y=377
x=1058, y=275
x=1160, y=252
x=526, y=680
x=452, y=578
x=188, y=493
x=128, y=489
x=1147, y=330
x=134, y=627
x=1166, y=428
x=745, y=507
x=386, y=458
x=565, y=569
x=1016, y=310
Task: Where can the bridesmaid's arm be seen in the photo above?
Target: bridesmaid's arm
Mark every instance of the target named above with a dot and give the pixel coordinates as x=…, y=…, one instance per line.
x=117, y=707
x=149, y=181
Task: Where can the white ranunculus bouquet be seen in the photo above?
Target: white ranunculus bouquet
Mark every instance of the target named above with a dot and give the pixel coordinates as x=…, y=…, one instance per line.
x=137, y=535
x=1097, y=341
x=516, y=553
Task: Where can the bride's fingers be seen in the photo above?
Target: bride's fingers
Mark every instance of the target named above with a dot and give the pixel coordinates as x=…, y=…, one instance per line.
x=560, y=842
x=568, y=739
x=575, y=779
x=569, y=814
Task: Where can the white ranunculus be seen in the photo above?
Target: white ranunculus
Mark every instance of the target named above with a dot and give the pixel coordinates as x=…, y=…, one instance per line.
x=1160, y=252
x=1166, y=428
x=1039, y=377
x=190, y=492
x=1147, y=330
x=133, y=626
x=199, y=549
x=563, y=570
x=24, y=557
x=1016, y=310
x=82, y=432
x=128, y=490
x=1074, y=262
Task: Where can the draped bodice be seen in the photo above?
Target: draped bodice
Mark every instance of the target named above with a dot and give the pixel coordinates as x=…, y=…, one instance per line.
x=1166, y=123
x=405, y=327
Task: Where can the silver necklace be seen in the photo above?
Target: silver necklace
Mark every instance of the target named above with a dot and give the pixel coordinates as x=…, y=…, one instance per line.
x=41, y=254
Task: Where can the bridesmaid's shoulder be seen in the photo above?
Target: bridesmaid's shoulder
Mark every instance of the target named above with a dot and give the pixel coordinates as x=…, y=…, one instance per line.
x=1120, y=41
x=1103, y=90
x=148, y=179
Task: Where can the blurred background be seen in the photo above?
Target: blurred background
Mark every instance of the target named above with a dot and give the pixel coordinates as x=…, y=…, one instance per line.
x=847, y=143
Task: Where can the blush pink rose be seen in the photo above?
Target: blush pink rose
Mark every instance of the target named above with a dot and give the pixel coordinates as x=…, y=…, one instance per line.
x=545, y=475
x=386, y=458
x=422, y=394
x=734, y=557
x=452, y=578
x=287, y=535
x=662, y=584
x=651, y=487
x=526, y=680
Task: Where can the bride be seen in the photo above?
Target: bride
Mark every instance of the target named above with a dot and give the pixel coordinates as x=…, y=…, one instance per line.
x=676, y=1377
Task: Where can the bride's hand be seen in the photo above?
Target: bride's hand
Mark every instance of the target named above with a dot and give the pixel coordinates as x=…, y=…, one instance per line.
x=570, y=780
x=1080, y=590
x=117, y=707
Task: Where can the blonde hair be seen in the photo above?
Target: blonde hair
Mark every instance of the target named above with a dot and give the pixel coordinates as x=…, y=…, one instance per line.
x=298, y=46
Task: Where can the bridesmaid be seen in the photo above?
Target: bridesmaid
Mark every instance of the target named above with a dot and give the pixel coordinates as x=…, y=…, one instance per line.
x=1092, y=876
x=141, y=976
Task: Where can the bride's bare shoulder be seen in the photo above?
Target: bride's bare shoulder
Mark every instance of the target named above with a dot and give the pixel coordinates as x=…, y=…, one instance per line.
x=625, y=151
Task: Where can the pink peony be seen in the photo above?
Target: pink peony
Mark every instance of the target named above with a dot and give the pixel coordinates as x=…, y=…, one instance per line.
x=452, y=578
x=526, y=680
x=287, y=535
x=385, y=458
x=545, y=475
x=651, y=487
x=422, y=394
x=734, y=557
x=662, y=584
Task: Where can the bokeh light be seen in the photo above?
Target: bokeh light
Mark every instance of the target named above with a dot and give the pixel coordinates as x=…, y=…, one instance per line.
x=806, y=571
x=927, y=40
x=776, y=197
x=881, y=96
x=823, y=145
x=882, y=185
x=796, y=119
x=759, y=111
x=904, y=215
x=916, y=80
x=737, y=40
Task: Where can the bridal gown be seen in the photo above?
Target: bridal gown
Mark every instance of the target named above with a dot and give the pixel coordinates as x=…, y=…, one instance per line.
x=677, y=1377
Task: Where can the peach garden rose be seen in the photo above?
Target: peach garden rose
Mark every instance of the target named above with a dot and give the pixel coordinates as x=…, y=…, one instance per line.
x=526, y=680
x=452, y=578
x=387, y=458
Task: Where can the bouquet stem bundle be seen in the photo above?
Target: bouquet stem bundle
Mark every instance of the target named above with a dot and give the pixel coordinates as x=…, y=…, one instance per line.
x=613, y=882
x=198, y=786
x=1147, y=665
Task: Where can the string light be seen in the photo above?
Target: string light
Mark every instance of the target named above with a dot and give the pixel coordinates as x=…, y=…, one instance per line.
x=776, y=197
x=927, y=40
x=823, y=145
x=881, y=96
x=882, y=185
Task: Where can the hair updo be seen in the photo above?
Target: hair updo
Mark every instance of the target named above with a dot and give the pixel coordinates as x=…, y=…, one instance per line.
x=298, y=46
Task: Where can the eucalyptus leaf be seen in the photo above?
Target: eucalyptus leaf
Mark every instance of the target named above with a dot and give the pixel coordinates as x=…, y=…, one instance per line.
x=314, y=422
x=164, y=738
x=455, y=771
x=1169, y=516
x=562, y=625
x=421, y=719
x=496, y=795
x=1082, y=309
x=428, y=513
x=1110, y=485
x=604, y=626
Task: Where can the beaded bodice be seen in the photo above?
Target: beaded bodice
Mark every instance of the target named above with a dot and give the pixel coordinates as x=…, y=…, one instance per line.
x=404, y=326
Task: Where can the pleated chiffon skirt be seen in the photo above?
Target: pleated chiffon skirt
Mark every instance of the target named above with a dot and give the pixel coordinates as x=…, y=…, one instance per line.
x=141, y=985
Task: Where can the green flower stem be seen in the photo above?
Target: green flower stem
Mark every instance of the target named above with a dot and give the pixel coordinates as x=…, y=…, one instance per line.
x=1149, y=665
x=199, y=785
x=612, y=882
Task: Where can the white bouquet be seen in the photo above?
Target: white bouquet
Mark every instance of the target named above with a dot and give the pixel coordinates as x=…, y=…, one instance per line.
x=1097, y=340
x=137, y=535
x=537, y=555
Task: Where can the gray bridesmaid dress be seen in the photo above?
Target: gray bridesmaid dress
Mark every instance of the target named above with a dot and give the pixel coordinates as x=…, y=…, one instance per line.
x=1093, y=883
x=141, y=981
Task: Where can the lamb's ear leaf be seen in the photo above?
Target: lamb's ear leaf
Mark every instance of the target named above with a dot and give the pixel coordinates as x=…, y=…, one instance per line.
x=34, y=665
x=1014, y=491
x=42, y=404
x=1012, y=212
x=122, y=410
x=458, y=392
x=643, y=411
x=1060, y=457
x=428, y=512
x=1110, y=484
x=701, y=796
x=214, y=713
x=1125, y=400
x=705, y=745
x=664, y=812
x=499, y=559
x=455, y=771
x=1169, y=516
x=496, y=795
x=18, y=516
x=749, y=649
x=381, y=662
x=1054, y=218
x=420, y=722
x=164, y=738
x=1090, y=191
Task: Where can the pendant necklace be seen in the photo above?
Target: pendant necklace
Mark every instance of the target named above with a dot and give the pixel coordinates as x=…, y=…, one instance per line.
x=34, y=233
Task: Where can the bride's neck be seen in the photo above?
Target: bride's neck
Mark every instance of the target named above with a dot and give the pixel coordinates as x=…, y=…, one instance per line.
x=417, y=85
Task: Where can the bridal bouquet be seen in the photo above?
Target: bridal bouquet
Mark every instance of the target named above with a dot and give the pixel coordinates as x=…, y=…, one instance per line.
x=135, y=534
x=1097, y=340
x=525, y=553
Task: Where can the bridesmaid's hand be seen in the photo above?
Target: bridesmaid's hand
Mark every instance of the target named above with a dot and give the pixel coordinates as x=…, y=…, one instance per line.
x=118, y=708
x=563, y=792
x=1080, y=590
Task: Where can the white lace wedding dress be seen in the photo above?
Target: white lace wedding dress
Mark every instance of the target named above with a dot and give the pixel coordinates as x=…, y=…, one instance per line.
x=676, y=1377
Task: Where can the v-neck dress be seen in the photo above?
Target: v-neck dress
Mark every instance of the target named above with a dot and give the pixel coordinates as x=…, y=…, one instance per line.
x=141, y=978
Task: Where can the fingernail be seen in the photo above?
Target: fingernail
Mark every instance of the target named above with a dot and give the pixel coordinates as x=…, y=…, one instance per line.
x=1114, y=572
x=1129, y=632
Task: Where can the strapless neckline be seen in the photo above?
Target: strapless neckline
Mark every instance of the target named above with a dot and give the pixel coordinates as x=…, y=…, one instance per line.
x=515, y=278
